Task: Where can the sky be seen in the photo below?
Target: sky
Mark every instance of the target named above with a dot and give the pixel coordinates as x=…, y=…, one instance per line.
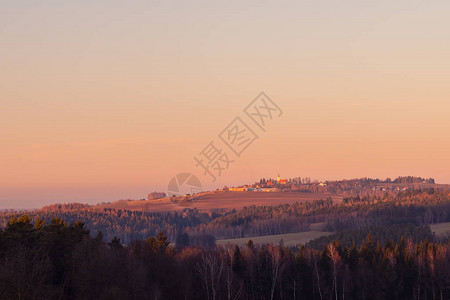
x=108, y=100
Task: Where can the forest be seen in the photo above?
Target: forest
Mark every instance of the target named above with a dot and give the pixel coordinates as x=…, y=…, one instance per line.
x=413, y=207
x=125, y=224
x=381, y=247
x=56, y=260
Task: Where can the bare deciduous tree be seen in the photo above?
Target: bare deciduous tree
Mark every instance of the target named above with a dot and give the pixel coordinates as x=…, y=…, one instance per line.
x=210, y=269
x=333, y=254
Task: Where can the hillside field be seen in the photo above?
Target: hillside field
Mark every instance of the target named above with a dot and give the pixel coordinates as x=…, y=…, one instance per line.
x=289, y=239
x=441, y=229
x=221, y=200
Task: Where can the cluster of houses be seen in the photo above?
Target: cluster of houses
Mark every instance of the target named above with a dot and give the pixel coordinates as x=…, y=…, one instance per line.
x=281, y=184
x=257, y=189
x=269, y=186
x=279, y=181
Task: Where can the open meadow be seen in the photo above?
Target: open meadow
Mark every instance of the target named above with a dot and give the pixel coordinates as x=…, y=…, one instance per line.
x=289, y=239
x=221, y=200
x=441, y=229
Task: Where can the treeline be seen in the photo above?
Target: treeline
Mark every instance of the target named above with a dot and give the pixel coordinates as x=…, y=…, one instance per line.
x=426, y=206
x=125, y=224
x=394, y=233
x=351, y=187
x=267, y=220
x=412, y=179
x=61, y=261
x=422, y=206
x=419, y=206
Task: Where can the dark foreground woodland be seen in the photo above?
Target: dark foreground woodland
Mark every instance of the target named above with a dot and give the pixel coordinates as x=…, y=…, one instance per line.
x=60, y=261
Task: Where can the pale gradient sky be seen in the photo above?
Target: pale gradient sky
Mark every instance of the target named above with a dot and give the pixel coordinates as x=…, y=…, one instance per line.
x=103, y=100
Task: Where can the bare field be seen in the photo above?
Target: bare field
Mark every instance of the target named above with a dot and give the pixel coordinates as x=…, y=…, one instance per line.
x=289, y=239
x=221, y=200
x=293, y=239
x=441, y=229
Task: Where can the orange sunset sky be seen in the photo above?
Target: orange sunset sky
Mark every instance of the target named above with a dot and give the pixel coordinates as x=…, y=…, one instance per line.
x=105, y=100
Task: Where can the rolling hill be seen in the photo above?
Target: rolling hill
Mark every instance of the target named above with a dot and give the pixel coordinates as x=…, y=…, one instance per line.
x=220, y=200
